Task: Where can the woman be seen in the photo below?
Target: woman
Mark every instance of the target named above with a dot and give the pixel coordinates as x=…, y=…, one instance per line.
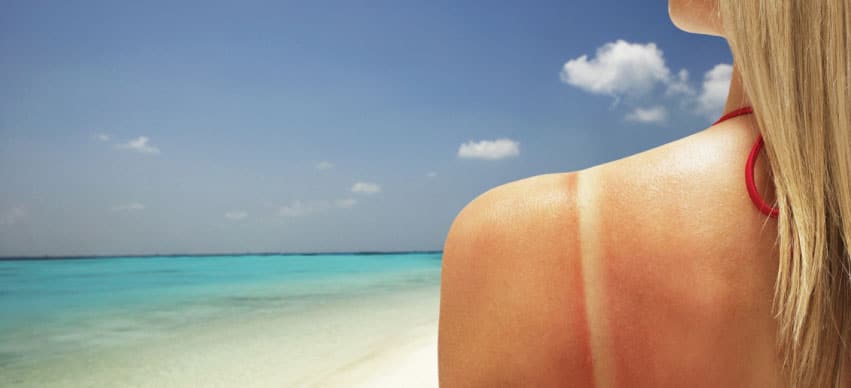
x=659, y=269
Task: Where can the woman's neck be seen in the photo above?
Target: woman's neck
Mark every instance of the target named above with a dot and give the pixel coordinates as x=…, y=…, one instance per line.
x=736, y=97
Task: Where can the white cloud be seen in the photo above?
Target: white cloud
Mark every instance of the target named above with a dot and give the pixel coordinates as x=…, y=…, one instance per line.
x=104, y=137
x=346, y=203
x=129, y=207
x=13, y=216
x=680, y=85
x=236, y=215
x=431, y=174
x=489, y=149
x=713, y=95
x=139, y=144
x=657, y=114
x=624, y=69
x=324, y=165
x=366, y=188
x=619, y=68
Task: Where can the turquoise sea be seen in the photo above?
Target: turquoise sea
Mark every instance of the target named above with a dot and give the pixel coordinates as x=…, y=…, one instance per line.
x=246, y=320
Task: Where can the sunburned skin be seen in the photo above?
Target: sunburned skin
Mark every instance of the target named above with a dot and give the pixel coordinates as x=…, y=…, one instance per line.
x=650, y=271
x=686, y=271
x=516, y=322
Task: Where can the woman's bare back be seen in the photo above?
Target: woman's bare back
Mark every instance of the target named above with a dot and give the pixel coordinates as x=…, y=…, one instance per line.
x=652, y=270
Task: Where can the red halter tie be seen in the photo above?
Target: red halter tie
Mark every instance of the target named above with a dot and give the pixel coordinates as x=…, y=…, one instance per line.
x=749, y=180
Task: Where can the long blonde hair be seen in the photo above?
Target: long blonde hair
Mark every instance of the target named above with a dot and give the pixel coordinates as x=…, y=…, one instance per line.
x=795, y=61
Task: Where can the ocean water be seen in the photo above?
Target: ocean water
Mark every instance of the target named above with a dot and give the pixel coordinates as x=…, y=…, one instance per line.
x=83, y=322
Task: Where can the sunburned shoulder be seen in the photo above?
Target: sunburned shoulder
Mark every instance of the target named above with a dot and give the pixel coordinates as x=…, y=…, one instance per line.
x=514, y=299
x=511, y=297
x=525, y=205
x=543, y=212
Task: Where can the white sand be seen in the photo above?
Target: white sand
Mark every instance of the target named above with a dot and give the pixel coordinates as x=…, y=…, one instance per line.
x=412, y=365
x=418, y=368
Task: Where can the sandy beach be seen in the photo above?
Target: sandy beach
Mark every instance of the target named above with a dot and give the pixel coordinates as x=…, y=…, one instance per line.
x=411, y=365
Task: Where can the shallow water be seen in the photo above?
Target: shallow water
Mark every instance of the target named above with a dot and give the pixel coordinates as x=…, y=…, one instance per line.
x=63, y=320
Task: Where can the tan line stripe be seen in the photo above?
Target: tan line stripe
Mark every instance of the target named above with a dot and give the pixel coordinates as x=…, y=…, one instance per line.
x=592, y=276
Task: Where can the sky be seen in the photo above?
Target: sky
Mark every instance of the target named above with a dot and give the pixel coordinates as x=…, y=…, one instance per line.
x=165, y=127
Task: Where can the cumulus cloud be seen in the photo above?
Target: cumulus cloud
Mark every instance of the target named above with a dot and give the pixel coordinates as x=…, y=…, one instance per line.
x=13, y=216
x=679, y=85
x=324, y=165
x=657, y=114
x=489, y=149
x=366, y=188
x=713, y=94
x=431, y=174
x=129, y=207
x=139, y=144
x=236, y=215
x=632, y=70
x=618, y=68
x=104, y=137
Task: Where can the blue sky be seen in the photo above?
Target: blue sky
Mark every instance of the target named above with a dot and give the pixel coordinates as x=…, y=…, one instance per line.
x=291, y=126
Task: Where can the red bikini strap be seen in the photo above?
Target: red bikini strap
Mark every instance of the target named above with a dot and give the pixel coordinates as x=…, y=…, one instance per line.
x=735, y=113
x=754, y=194
x=749, y=180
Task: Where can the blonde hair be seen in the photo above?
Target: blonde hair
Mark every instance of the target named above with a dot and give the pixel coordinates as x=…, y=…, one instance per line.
x=795, y=61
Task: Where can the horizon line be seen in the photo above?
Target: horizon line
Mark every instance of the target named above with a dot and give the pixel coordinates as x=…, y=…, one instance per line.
x=157, y=255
